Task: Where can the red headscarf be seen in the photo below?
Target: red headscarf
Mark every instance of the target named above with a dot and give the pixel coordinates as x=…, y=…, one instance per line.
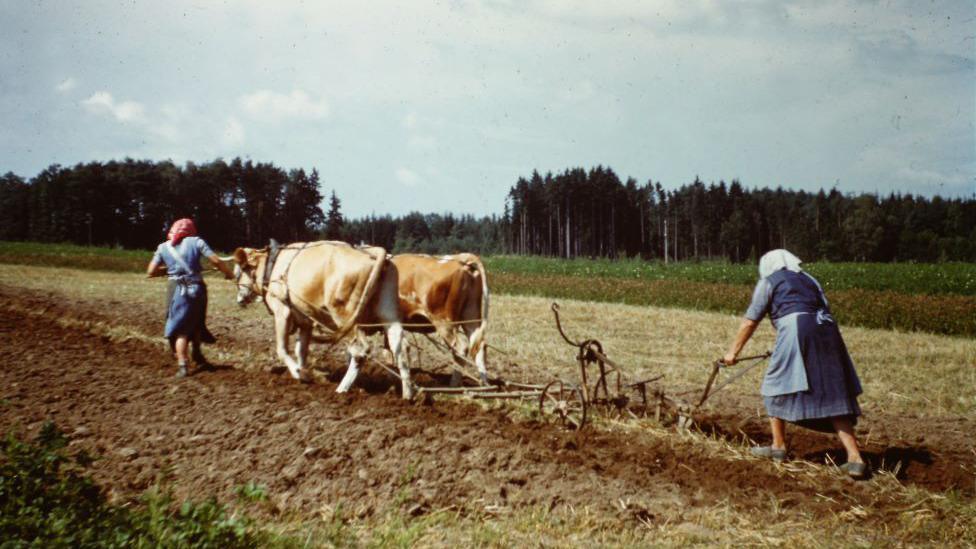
x=181, y=229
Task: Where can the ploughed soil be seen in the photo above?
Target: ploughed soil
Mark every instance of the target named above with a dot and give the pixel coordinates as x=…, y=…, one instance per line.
x=314, y=449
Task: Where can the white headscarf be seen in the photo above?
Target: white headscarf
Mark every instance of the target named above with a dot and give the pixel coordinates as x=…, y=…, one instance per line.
x=776, y=260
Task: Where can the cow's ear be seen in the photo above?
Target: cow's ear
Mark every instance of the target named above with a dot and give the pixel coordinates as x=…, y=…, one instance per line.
x=240, y=256
x=253, y=256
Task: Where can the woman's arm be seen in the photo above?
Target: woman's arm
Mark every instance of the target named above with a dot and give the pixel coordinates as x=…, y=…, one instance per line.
x=155, y=269
x=745, y=332
x=221, y=266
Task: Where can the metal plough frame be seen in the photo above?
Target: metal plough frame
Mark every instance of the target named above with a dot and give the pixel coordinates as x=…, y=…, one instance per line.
x=569, y=403
x=608, y=394
x=602, y=389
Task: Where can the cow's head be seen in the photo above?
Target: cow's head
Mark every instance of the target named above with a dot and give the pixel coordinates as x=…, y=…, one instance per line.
x=247, y=262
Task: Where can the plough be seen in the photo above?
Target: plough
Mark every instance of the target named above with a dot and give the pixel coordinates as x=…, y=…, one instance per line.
x=601, y=388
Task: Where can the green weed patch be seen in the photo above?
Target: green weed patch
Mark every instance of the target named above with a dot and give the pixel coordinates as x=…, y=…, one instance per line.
x=47, y=501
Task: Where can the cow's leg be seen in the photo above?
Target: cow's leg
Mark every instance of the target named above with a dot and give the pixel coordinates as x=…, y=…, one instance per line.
x=479, y=360
x=357, y=351
x=458, y=352
x=282, y=317
x=351, y=373
x=476, y=352
x=394, y=338
x=450, y=338
x=301, y=345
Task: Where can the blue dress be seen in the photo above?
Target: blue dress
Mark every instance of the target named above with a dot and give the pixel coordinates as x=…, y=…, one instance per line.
x=187, y=293
x=810, y=378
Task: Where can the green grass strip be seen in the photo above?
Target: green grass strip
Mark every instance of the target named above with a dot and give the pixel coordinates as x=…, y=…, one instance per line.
x=932, y=297
x=74, y=257
x=907, y=278
x=941, y=314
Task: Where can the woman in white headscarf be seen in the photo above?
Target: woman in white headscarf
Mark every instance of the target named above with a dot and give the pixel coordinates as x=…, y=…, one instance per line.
x=810, y=380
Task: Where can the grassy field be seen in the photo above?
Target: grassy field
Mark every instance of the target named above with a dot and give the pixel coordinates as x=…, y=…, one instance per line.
x=935, y=298
x=75, y=257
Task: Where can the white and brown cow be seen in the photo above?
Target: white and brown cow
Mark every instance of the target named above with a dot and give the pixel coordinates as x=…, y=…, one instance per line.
x=447, y=294
x=327, y=284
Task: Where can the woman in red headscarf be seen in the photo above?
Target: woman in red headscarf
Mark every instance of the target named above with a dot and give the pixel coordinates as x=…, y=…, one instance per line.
x=179, y=258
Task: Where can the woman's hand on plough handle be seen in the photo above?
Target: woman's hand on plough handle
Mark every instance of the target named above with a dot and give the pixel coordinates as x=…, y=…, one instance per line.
x=745, y=332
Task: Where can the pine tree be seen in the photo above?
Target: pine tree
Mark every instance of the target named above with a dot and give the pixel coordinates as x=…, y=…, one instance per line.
x=333, y=219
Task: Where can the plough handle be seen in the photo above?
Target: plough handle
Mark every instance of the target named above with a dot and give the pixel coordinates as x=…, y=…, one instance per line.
x=711, y=379
x=559, y=326
x=718, y=365
x=767, y=354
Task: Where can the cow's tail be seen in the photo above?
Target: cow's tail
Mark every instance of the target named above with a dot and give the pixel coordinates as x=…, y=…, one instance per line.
x=379, y=262
x=478, y=336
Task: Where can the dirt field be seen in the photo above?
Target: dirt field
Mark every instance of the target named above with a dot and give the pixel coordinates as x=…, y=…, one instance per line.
x=97, y=367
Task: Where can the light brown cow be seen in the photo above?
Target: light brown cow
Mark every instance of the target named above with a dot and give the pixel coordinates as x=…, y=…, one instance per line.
x=330, y=285
x=447, y=294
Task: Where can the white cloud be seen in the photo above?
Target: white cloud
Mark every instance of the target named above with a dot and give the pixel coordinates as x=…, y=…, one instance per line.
x=102, y=102
x=408, y=177
x=274, y=106
x=66, y=85
x=233, y=135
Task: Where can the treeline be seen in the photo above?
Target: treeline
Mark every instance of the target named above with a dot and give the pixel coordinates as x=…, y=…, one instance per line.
x=430, y=233
x=576, y=213
x=593, y=213
x=132, y=203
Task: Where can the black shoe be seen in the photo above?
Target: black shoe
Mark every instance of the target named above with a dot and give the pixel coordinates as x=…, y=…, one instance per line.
x=202, y=362
x=207, y=337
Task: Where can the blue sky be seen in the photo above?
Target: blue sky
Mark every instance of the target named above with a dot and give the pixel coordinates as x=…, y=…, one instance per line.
x=441, y=106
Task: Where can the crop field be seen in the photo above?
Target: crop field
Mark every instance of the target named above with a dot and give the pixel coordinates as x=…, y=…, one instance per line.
x=937, y=298
x=82, y=330
x=908, y=278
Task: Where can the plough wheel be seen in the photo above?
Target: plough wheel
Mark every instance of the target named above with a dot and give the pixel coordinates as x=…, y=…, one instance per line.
x=565, y=402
